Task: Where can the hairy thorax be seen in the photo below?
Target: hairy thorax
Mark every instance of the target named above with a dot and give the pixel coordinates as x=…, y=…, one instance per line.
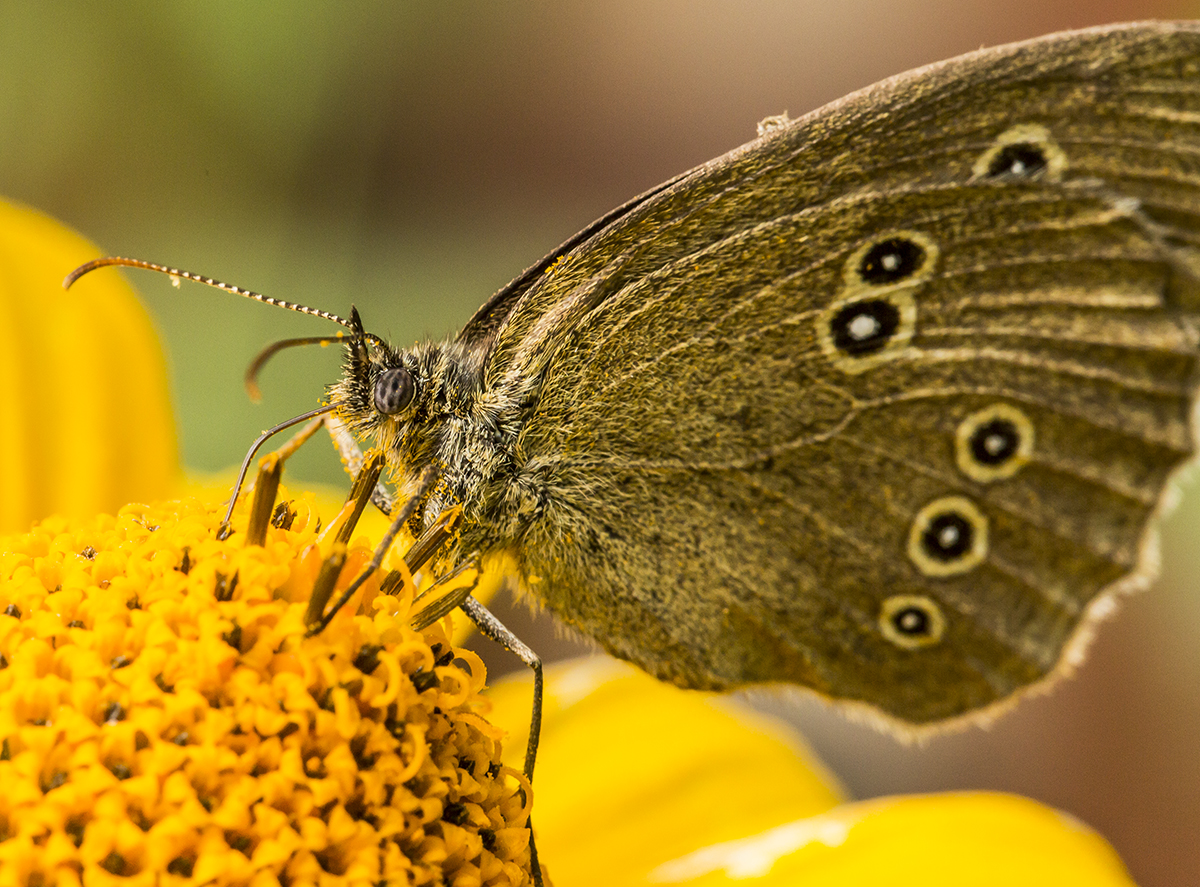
x=470, y=437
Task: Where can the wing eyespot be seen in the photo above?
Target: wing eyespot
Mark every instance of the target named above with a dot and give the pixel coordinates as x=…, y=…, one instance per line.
x=891, y=260
x=993, y=443
x=874, y=316
x=1022, y=160
x=1023, y=152
x=911, y=621
x=864, y=327
x=948, y=537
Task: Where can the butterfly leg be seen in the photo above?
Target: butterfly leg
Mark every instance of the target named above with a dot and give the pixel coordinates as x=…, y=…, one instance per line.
x=491, y=627
x=352, y=460
x=321, y=618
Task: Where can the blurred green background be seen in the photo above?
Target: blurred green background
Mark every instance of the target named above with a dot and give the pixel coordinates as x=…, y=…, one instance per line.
x=412, y=158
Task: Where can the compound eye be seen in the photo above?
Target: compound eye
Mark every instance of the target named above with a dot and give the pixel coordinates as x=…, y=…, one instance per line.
x=393, y=391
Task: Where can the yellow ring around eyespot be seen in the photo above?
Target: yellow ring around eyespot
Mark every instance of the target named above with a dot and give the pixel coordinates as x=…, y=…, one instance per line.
x=897, y=604
x=970, y=465
x=971, y=558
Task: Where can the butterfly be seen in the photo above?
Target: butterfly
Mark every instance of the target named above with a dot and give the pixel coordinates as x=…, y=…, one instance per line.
x=882, y=404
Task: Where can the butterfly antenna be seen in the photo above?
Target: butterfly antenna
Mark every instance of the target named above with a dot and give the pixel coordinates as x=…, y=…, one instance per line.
x=256, y=365
x=176, y=274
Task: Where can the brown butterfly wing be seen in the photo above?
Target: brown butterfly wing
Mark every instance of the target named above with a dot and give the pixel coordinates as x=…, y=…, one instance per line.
x=882, y=403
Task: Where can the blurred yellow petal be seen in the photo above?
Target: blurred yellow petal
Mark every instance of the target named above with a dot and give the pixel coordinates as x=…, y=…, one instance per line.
x=633, y=772
x=974, y=839
x=639, y=783
x=86, y=415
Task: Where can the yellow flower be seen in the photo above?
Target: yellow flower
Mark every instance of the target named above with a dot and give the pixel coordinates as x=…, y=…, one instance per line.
x=639, y=783
x=86, y=417
x=164, y=719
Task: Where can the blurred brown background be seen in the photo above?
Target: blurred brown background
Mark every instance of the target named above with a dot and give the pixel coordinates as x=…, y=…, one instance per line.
x=411, y=158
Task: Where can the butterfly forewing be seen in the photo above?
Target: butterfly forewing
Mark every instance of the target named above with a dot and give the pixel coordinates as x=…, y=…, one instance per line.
x=881, y=403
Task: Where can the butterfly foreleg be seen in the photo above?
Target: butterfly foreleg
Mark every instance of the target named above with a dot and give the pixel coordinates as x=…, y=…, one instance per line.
x=352, y=460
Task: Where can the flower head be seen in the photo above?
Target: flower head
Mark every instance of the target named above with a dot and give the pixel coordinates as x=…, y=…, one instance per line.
x=164, y=719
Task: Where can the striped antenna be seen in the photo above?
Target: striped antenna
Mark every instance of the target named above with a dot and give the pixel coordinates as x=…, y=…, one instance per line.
x=176, y=274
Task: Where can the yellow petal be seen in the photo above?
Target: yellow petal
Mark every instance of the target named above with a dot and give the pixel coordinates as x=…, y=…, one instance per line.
x=86, y=416
x=633, y=772
x=972, y=839
x=639, y=783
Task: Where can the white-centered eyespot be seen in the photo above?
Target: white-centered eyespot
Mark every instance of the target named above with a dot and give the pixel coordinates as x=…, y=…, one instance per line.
x=993, y=443
x=911, y=621
x=1024, y=151
x=949, y=536
x=875, y=314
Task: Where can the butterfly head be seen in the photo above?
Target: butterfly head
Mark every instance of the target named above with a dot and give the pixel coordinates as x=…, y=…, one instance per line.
x=384, y=393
